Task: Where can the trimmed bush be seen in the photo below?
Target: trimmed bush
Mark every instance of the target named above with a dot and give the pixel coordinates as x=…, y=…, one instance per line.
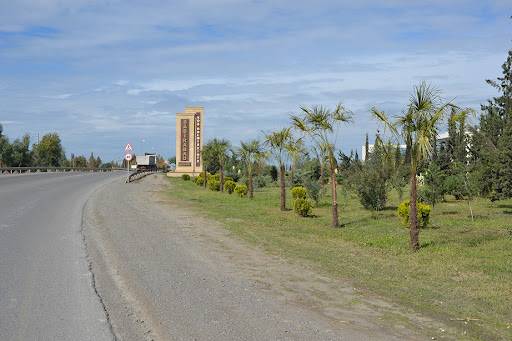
x=185, y=177
x=423, y=213
x=299, y=192
x=215, y=177
x=229, y=186
x=302, y=207
x=241, y=190
x=199, y=180
x=228, y=178
x=214, y=185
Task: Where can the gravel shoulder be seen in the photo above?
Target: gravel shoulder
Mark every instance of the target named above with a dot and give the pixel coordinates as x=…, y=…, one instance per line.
x=163, y=273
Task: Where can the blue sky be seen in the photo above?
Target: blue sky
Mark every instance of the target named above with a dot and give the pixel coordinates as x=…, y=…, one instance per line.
x=104, y=73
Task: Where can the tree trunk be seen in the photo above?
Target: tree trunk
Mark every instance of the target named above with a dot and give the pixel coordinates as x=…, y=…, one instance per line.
x=321, y=179
x=335, y=221
x=413, y=213
x=292, y=173
x=221, y=178
x=282, y=186
x=205, y=178
x=251, y=190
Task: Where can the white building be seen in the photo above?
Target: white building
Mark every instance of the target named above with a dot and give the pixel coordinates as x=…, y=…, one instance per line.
x=441, y=138
x=371, y=147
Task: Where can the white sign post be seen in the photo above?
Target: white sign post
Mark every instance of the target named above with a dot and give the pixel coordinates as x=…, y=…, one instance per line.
x=128, y=158
x=128, y=155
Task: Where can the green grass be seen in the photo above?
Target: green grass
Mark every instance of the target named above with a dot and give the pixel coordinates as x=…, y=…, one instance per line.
x=463, y=270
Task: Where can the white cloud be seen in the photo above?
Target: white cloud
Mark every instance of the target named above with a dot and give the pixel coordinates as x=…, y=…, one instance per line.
x=121, y=82
x=122, y=68
x=61, y=96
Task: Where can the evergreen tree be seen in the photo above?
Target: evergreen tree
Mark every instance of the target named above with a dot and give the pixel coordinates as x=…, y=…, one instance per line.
x=21, y=156
x=460, y=151
x=92, y=161
x=5, y=150
x=451, y=145
x=398, y=156
x=503, y=185
x=344, y=161
x=493, y=142
x=81, y=162
x=366, y=148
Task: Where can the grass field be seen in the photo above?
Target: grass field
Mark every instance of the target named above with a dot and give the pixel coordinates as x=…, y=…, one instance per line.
x=463, y=270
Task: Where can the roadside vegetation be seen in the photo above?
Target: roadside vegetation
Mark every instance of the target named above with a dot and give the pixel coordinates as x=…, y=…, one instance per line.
x=49, y=152
x=424, y=220
x=462, y=272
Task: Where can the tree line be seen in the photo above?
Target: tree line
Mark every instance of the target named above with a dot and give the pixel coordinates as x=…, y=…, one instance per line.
x=474, y=160
x=47, y=152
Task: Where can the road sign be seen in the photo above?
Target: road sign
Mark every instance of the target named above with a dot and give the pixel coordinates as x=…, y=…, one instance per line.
x=128, y=148
x=128, y=157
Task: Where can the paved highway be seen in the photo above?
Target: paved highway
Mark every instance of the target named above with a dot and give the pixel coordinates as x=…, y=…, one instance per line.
x=46, y=288
x=161, y=272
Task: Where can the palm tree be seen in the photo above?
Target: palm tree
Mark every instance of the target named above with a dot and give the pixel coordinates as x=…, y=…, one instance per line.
x=295, y=150
x=215, y=154
x=278, y=143
x=221, y=147
x=208, y=155
x=320, y=124
x=418, y=127
x=251, y=153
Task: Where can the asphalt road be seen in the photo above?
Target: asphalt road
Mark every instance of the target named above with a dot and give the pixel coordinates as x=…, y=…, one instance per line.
x=88, y=257
x=46, y=288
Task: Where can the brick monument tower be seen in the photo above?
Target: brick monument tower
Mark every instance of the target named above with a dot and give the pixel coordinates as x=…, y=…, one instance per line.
x=189, y=142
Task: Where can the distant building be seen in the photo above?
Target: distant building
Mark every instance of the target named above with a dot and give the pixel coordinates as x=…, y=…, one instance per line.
x=371, y=147
x=442, y=139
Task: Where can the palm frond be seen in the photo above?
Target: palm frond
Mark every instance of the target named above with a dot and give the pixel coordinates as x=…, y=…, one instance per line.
x=299, y=124
x=383, y=118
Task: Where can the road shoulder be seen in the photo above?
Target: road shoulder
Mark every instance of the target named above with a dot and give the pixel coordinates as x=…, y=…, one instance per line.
x=148, y=250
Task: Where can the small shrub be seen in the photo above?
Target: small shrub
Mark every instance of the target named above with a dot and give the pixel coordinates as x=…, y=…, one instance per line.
x=299, y=192
x=228, y=178
x=214, y=177
x=214, y=185
x=229, y=186
x=185, y=177
x=302, y=207
x=199, y=180
x=241, y=190
x=423, y=213
x=261, y=181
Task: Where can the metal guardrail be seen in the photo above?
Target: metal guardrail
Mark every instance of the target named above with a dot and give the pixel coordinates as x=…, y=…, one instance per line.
x=138, y=175
x=19, y=170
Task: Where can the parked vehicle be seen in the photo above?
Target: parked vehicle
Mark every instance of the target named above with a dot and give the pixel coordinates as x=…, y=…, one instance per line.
x=146, y=162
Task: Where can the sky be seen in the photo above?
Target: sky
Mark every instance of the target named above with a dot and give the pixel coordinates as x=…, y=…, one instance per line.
x=105, y=73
